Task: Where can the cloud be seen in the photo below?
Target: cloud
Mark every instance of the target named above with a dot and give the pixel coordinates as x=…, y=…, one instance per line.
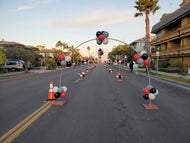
x=97, y=18
x=24, y=7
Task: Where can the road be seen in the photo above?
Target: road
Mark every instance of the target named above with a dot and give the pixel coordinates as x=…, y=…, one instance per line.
x=98, y=110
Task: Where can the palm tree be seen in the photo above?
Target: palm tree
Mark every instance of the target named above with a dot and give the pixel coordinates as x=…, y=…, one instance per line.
x=146, y=6
x=88, y=48
x=59, y=44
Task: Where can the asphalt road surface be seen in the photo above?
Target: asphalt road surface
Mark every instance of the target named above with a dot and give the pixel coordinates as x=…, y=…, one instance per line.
x=98, y=109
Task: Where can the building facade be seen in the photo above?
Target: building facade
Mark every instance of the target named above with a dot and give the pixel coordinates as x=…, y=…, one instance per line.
x=173, y=36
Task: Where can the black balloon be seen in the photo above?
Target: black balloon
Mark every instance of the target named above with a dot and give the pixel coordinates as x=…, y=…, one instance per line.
x=145, y=56
x=69, y=64
x=58, y=62
x=153, y=90
x=119, y=76
x=98, y=33
x=57, y=95
x=146, y=97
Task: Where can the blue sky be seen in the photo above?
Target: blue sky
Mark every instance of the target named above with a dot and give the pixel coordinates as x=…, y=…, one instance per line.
x=44, y=22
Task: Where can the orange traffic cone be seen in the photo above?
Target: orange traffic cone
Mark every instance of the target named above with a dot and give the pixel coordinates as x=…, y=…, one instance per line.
x=51, y=93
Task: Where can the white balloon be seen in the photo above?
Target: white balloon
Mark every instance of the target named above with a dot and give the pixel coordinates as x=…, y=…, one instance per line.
x=67, y=58
x=117, y=76
x=60, y=89
x=63, y=63
x=140, y=61
x=152, y=96
x=106, y=34
x=83, y=72
x=55, y=89
x=149, y=86
x=64, y=88
x=105, y=41
x=142, y=52
x=81, y=75
x=156, y=92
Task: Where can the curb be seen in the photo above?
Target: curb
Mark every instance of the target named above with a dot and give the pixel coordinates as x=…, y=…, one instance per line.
x=186, y=86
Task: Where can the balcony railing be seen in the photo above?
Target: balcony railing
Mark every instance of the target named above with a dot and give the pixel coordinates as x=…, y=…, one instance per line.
x=177, y=51
x=172, y=33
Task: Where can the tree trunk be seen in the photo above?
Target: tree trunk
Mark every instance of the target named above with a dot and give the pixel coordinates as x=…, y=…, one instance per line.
x=26, y=67
x=148, y=38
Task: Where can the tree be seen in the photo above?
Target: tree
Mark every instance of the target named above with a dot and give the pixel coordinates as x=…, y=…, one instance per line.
x=88, y=48
x=121, y=50
x=3, y=57
x=75, y=53
x=59, y=44
x=57, y=53
x=146, y=6
x=20, y=54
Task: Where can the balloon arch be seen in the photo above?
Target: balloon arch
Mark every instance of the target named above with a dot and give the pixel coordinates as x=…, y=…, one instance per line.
x=142, y=59
x=96, y=39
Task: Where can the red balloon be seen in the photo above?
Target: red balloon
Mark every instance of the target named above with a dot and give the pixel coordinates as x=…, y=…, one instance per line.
x=62, y=57
x=80, y=73
x=146, y=91
x=121, y=74
x=146, y=62
x=118, y=62
x=63, y=94
x=137, y=56
x=101, y=37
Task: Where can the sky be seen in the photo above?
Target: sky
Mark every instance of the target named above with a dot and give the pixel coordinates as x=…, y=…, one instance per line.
x=44, y=22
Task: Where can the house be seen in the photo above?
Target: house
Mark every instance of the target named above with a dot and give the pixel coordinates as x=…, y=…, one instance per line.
x=173, y=36
x=5, y=44
x=140, y=44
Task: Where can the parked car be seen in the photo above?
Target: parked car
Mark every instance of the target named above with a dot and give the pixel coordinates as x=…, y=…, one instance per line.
x=29, y=64
x=13, y=66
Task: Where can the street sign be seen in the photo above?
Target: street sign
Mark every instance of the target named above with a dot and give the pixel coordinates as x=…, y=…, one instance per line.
x=157, y=53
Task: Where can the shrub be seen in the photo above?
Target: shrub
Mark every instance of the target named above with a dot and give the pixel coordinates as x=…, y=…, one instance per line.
x=176, y=64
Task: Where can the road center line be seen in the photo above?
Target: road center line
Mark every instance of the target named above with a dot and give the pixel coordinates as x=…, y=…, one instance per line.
x=25, y=121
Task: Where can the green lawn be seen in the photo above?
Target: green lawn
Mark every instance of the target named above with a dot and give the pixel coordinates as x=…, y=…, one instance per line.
x=179, y=79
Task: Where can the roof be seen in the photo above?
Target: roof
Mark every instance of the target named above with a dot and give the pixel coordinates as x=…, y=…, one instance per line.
x=10, y=43
x=46, y=51
x=31, y=47
x=139, y=40
x=175, y=16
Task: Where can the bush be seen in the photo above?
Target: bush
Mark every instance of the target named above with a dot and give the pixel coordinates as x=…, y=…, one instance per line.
x=185, y=70
x=176, y=64
x=3, y=70
x=170, y=70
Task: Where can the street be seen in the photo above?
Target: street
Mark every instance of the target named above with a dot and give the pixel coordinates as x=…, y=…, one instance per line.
x=98, y=109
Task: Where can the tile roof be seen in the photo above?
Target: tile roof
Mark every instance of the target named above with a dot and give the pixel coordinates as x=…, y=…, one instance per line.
x=176, y=15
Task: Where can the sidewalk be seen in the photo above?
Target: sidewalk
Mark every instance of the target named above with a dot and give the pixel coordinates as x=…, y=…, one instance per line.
x=165, y=73
x=135, y=68
x=41, y=70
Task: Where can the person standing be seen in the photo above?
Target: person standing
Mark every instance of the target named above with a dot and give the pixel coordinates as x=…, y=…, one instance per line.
x=131, y=66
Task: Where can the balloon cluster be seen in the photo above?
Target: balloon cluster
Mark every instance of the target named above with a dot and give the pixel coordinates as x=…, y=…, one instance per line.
x=118, y=61
x=64, y=61
x=142, y=58
x=119, y=75
x=102, y=37
x=100, y=52
x=108, y=62
x=82, y=74
x=60, y=91
x=108, y=68
x=150, y=92
x=84, y=61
